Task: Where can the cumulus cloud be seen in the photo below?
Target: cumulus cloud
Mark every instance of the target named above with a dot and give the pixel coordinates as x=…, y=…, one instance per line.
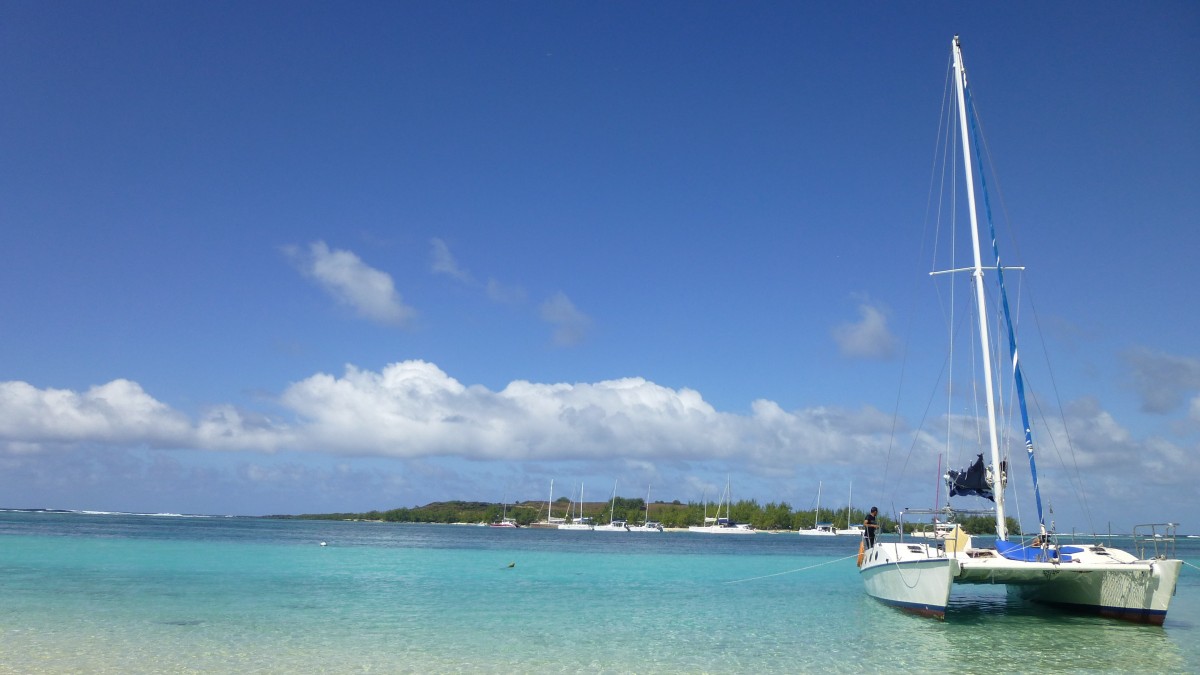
x=414, y=410
x=344, y=276
x=119, y=412
x=869, y=337
x=570, y=324
x=1163, y=381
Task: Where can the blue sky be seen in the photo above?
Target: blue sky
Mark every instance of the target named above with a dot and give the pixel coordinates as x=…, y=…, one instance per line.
x=303, y=257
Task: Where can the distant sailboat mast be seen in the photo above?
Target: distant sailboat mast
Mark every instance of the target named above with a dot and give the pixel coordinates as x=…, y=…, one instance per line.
x=849, y=500
x=817, y=514
x=612, y=506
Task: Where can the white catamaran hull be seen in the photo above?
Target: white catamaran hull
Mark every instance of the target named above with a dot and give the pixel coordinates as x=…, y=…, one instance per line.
x=1107, y=582
x=912, y=577
x=1136, y=590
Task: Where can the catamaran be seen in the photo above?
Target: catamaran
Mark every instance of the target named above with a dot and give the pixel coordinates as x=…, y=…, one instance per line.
x=919, y=575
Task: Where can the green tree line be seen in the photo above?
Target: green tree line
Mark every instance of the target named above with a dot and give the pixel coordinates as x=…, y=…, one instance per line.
x=675, y=514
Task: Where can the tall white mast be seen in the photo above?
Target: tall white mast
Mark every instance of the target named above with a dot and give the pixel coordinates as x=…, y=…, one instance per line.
x=960, y=77
x=849, y=500
x=612, y=507
x=817, y=514
x=647, y=520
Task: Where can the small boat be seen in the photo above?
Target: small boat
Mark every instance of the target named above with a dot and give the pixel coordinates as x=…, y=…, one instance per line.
x=919, y=574
x=940, y=531
x=614, y=526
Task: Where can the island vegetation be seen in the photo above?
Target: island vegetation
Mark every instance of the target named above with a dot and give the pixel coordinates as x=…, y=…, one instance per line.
x=674, y=514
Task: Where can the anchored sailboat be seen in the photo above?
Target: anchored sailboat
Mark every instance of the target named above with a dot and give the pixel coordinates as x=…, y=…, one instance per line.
x=818, y=529
x=614, y=524
x=919, y=574
x=647, y=524
x=580, y=521
x=722, y=525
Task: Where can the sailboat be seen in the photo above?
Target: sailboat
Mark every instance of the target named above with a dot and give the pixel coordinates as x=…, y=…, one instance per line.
x=919, y=575
x=551, y=521
x=613, y=525
x=718, y=524
x=647, y=524
x=504, y=521
x=852, y=529
x=818, y=529
x=578, y=522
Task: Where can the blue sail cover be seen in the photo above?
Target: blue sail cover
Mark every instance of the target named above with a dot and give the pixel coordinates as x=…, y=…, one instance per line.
x=971, y=481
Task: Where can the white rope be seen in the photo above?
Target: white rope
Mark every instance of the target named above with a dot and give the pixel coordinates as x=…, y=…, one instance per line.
x=802, y=569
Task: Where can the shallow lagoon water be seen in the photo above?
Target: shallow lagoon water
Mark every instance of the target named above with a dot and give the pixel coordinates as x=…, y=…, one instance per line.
x=145, y=594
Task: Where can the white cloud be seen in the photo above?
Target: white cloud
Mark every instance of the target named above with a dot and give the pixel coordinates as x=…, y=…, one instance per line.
x=119, y=412
x=1163, y=381
x=869, y=337
x=444, y=262
x=343, y=275
x=415, y=410
x=570, y=324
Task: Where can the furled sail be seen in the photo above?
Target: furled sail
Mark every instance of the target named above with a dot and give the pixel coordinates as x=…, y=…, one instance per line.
x=971, y=481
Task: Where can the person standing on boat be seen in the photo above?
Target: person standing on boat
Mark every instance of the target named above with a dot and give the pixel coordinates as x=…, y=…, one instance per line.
x=870, y=526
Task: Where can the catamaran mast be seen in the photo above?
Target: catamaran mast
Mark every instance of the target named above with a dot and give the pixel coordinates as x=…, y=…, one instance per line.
x=960, y=78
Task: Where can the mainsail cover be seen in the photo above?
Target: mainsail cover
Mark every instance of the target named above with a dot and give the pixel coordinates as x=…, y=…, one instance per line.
x=971, y=481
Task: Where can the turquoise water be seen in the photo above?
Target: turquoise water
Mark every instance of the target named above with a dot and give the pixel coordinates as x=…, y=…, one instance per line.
x=145, y=594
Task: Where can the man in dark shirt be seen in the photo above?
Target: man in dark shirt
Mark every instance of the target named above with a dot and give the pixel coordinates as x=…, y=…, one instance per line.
x=870, y=526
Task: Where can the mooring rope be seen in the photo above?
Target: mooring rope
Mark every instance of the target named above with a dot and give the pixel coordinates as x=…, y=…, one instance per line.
x=1189, y=564
x=802, y=569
